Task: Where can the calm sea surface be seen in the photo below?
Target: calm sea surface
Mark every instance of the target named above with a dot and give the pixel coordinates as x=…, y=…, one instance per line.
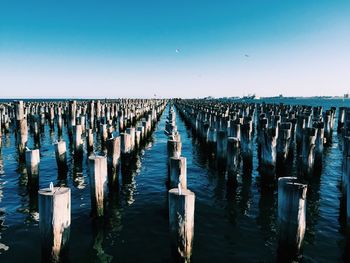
x=232, y=224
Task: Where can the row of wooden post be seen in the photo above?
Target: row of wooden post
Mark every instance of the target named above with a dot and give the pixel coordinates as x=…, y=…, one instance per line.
x=55, y=202
x=230, y=136
x=278, y=128
x=181, y=199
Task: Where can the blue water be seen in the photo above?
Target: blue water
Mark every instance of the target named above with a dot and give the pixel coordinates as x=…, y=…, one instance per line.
x=231, y=224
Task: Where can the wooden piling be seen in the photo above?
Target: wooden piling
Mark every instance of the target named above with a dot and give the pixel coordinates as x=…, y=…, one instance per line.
x=32, y=164
x=54, y=222
x=232, y=154
x=221, y=145
x=77, y=141
x=113, y=156
x=308, y=150
x=98, y=183
x=178, y=172
x=61, y=156
x=181, y=222
x=291, y=214
x=174, y=148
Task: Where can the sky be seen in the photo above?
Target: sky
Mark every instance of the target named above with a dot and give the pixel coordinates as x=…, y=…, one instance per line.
x=173, y=48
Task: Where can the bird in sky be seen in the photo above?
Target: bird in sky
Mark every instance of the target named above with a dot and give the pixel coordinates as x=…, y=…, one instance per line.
x=246, y=55
x=177, y=50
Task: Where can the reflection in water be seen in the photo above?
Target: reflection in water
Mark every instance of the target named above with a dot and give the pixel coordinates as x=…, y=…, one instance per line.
x=77, y=172
x=98, y=232
x=114, y=218
x=244, y=193
x=231, y=195
x=266, y=218
x=129, y=166
x=313, y=208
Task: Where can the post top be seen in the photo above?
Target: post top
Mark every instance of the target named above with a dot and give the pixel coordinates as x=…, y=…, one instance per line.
x=56, y=191
x=97, y=157
x=175, y=191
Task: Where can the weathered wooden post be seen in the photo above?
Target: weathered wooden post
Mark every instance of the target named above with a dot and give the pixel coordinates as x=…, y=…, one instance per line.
x=77, y=141
x=54, y=222
x=221, y=147
x=104, y=132
x=319, y=143
x=113, y=156
x=284, y=141
x=59, y=120
x=235, y=130
x=211, y=137
x=178, y=172
x=61, y=156
x=246, y=145
x=90, y=141
x=32, y=164
x=98, y=183
x=72, y=114
x=308, y=150
x=291, y=214
x=181, y=222
x=125, y=143
x=23, y=136
x=232, y=158
x=174, y=148
x=131, y=132
x=341, y=119
x=269, y=152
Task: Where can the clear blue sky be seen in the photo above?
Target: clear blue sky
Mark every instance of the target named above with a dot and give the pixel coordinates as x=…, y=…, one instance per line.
x=138, y=48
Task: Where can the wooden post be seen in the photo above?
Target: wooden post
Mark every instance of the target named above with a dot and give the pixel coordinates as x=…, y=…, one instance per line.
x=235, y=130
x=221, y=145
x=178, y=173
x=23, y=136
x=98, y=183
x=125, y=143
x=32, y=165
x=269, y=151
x=59, y=120
x=104, y=132
x=284, y=140
x=113, y=156
x=246, y=145
x=319, y=142
x=54, y=222
x=308, y=150
x=61, y=156
x=90, y=141
x=174, y=148
x=291, y=214
x=232, y=154
x=131, y=132
x=341, y=119
x=181, y=222
x=211, y=137
x=72, y=114
x=19, y=110
x=141, y=129
x=77, y=141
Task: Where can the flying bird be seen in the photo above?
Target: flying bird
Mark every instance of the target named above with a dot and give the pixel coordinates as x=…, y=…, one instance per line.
x=177, y=50
x=246, y=55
